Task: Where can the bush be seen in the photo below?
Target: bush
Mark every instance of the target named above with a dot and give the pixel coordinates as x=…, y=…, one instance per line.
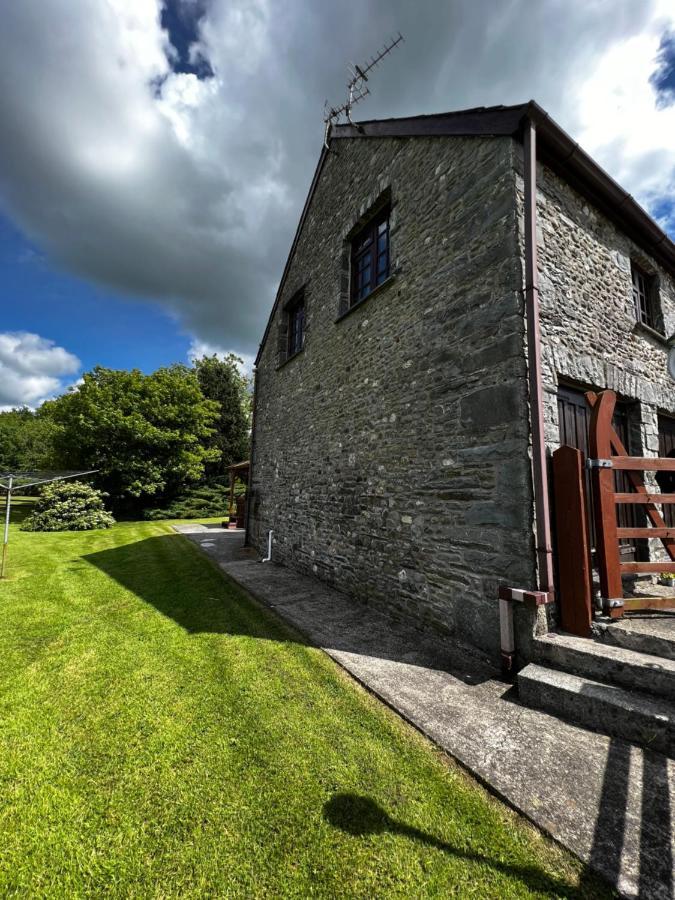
x=201, y=501
x=68, y=506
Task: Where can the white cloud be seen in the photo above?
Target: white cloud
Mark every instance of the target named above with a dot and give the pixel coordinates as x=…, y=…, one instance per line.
x=620, y=121
x=198, y=349
x=32, y=368
x=158, y=184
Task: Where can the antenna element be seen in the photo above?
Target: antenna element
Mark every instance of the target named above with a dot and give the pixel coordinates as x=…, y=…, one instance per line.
x=356, y=88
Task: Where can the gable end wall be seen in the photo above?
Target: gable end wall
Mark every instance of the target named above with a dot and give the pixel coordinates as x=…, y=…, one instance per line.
x=391, y=454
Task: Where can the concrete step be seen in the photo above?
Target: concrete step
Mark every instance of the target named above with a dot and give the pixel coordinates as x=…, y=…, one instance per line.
x=602, y=707
x=601, y=661
x=653, y=634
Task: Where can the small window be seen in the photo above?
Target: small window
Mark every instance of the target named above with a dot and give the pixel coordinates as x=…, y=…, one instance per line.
x=645, y=297
x=295, y=313
x=370, y=257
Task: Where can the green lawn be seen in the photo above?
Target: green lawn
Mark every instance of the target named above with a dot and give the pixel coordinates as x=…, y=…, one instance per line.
x=162, y=736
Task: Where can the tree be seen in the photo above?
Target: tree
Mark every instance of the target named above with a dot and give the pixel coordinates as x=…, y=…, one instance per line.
x=26, y=440
x=148, y=435
x=221, y=380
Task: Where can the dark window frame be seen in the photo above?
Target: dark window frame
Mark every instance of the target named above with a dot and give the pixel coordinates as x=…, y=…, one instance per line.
x=645, y=291
x=370, y=262
x=295, y=312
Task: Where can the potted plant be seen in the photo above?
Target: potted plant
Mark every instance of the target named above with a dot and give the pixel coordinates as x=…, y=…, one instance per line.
x=667, y=578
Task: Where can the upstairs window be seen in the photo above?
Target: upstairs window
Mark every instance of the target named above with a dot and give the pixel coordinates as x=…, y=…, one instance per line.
x=370, y=257
x=295, y=314
x=645, y=297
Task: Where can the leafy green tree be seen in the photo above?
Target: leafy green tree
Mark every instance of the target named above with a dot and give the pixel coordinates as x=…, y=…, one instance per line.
x=68, y=506
x=221, y=380
x=26, y=440
x=149, y=435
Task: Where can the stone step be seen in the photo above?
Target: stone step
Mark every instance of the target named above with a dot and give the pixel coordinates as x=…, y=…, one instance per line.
x=653, y=634
x=602, y=707
x=606, y=662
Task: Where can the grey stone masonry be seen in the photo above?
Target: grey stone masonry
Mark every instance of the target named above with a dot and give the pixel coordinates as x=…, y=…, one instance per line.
x=590, y=334
x=391, y=454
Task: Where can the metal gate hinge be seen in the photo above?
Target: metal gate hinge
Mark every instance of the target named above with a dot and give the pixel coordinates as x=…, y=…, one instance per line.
x=599, y=464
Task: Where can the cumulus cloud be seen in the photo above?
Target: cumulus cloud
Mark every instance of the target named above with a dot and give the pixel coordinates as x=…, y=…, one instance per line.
x=32, y=368
x=198, y=349
x=164, y=148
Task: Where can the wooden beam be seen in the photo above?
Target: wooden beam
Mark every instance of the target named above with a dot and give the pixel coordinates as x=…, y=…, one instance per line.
x=607, y=543
x=642, y=567
x=644, y=498
x=646, y=532
x=641, y=463
x=574, y=584
x=636, y=603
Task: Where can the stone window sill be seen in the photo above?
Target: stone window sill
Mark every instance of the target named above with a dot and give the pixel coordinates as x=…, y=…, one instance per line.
x=652, y=333
x=378, y=290
x=291, y=357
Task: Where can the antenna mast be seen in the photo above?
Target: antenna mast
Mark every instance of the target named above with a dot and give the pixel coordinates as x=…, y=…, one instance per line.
x=356, y=88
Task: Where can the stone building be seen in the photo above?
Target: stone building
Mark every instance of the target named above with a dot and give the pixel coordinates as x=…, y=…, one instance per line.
x=396, y=452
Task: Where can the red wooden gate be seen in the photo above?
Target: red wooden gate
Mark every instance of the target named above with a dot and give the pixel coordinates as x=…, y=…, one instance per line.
x=607, y=456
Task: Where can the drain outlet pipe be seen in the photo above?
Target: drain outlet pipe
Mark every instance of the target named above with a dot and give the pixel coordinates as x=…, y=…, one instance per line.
x=268, y=558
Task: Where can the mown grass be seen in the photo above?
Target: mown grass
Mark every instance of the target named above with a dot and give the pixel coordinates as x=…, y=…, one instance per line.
x=161, y=736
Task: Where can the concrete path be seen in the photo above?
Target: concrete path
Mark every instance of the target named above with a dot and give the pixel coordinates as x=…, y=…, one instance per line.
x=608, y=801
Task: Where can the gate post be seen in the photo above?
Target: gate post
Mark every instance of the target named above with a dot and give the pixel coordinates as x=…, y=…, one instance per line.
x=608, y=554
x=575, y=585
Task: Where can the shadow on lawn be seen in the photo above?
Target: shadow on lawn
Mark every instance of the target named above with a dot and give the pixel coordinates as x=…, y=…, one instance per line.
x=21, y=508
x=361, y=816
x=162, y=571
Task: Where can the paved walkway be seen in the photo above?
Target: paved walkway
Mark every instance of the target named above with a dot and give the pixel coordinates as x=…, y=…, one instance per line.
x=608, y=801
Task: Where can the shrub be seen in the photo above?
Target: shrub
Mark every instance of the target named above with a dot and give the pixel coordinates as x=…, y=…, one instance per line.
x=201, y=501
x=68, y=506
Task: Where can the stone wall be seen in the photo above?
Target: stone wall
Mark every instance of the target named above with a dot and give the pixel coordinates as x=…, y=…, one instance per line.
x=391, y=454
x=590, y=335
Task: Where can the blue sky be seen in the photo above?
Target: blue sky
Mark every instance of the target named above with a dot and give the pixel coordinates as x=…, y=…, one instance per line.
x=155, y=154
x=98, y=326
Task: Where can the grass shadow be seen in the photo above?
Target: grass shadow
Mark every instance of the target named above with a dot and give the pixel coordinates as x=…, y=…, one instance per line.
x=166, y=572
x=155, y=569
x=21, y=508
x=361, y=816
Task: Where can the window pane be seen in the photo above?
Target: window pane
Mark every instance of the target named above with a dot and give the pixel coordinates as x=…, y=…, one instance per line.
x=370, y=258
x=363, y=262
x=296, y=326
x=642, y=291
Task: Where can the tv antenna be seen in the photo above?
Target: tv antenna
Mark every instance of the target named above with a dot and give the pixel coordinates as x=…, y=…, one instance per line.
x=357, y=88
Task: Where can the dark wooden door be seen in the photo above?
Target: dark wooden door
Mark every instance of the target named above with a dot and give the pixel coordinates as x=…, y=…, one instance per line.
x=667, y=448
x=574, y=416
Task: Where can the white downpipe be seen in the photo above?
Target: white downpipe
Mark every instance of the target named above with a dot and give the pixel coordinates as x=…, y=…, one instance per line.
x=508, y=640
x=269, y=547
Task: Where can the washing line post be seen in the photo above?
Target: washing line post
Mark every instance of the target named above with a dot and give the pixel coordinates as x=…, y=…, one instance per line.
x=26, y=480
x=8, y=504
